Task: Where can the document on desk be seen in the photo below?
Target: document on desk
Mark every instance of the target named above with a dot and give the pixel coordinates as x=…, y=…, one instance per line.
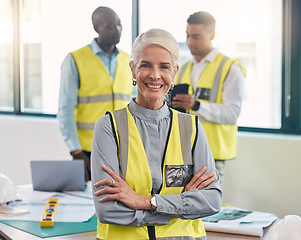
x=84, y=194
x=72, y=208
x=239, y=221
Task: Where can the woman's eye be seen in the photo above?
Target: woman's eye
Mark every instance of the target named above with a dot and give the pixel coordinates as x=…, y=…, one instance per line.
x=165, y=67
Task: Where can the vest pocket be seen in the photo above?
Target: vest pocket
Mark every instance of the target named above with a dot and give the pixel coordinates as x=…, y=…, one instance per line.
x=178, y=175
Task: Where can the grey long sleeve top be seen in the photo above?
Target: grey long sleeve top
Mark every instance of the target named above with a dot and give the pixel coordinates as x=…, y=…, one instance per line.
x=152, y=126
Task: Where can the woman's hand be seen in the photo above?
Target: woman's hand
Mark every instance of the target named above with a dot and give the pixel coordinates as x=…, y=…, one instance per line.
x=200, y=181
x=119, y=190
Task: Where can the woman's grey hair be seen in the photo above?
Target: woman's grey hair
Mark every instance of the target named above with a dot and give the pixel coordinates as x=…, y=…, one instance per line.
x=158, y=37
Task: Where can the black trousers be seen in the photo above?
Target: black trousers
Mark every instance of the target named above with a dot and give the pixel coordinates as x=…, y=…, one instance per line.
x=89, y=156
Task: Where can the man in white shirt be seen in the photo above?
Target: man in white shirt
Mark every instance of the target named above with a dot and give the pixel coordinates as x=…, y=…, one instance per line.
x=215, y=88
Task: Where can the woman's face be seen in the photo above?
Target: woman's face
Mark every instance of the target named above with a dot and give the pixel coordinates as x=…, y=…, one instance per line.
x=154, y=73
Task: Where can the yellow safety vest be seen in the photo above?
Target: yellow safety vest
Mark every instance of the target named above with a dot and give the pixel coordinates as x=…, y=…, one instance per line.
x=134, y=169
x=98, y=93
x=222, y=138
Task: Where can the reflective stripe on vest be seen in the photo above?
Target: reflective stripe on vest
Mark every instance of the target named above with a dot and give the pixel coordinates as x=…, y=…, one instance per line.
x=134, y=166
x=98, y=93
x=221, y=137
x=103, y=98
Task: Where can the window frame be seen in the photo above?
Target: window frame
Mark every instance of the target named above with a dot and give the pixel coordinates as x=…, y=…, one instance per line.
x=291, y=68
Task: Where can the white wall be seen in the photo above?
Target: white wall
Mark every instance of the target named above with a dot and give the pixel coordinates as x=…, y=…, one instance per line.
x=264, y=177
x=23, y=139
x=266, y=174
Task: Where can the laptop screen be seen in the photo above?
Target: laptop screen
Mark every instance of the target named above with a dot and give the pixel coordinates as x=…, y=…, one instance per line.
x=58, y=176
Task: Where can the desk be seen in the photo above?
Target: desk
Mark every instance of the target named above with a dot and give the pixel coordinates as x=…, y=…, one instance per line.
x=10, y=233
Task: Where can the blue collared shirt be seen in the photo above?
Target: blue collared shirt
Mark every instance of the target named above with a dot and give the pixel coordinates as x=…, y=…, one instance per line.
x=68, y=95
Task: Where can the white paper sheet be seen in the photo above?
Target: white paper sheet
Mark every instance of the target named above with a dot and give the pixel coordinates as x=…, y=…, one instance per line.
x=71, y=208
x=251, y=224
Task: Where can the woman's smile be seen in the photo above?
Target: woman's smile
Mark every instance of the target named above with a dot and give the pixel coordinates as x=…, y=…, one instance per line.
x=153, y=86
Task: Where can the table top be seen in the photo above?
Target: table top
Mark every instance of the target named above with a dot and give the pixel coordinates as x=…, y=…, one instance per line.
x=10, y=233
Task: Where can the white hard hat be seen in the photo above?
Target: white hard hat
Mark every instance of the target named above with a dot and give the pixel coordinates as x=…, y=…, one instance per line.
x=8, y=192
x=288, y=228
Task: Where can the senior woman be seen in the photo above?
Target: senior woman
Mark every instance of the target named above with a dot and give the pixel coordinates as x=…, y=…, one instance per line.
x=148, y=161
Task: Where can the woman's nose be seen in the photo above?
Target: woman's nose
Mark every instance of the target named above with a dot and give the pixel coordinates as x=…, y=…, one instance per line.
x=155, y=74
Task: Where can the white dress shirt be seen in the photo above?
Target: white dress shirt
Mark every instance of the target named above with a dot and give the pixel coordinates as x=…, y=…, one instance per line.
x=229, y=110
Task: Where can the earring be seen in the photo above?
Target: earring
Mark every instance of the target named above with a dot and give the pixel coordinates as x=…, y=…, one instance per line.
x=172, y=86
x=134, y=82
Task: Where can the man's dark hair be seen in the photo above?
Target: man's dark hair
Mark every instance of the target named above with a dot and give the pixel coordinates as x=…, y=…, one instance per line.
x=202, y=17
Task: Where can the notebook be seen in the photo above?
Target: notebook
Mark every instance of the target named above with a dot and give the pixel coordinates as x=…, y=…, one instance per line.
x=58, y=176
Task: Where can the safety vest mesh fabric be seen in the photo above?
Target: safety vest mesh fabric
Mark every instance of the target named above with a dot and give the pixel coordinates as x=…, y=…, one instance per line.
x=98, y=93
x=134, y=169
x=222, y=138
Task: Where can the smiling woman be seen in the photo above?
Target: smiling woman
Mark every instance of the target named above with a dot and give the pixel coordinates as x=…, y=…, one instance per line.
x=166, y=150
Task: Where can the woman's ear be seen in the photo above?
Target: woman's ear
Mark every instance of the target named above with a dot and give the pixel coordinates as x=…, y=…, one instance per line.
x=131, y=64
x=176, y=70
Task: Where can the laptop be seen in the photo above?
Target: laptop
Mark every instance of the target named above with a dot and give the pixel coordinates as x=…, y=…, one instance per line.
x=58, y=176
